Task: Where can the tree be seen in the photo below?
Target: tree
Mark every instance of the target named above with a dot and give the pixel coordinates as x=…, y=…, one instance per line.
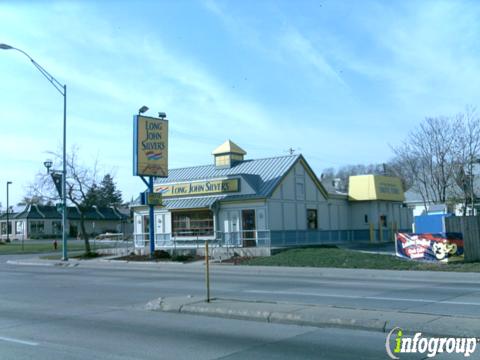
x=468, y=156
x=34, y=200
x=105, y=194
x=437, y=158
x=341, y=176
x=81, y=188
x=110, y=195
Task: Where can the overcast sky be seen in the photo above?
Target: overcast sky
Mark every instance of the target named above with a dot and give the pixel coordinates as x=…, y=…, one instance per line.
x=339, y=80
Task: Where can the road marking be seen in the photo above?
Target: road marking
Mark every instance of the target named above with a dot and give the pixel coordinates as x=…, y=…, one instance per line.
x=18, y=341
x=361, y=297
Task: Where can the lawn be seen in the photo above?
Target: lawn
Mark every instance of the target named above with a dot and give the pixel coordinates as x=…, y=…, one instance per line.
x=37, y=247
x=343, y=258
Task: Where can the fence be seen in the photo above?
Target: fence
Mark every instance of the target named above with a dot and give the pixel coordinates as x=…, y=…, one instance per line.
x=469, y=226
x=266, y=238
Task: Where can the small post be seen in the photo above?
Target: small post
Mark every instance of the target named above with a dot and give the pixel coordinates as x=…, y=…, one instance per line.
x=207, y=271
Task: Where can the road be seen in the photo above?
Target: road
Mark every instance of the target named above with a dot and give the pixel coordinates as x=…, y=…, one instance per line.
x=97, y=311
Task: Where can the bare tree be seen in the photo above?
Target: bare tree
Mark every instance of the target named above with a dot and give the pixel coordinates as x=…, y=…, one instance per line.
x=80, y=180
x=342, y=175
x=437, y=158
x=468, y=154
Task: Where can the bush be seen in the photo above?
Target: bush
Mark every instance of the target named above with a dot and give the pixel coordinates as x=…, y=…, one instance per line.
x=182, y=258
x=161, y=254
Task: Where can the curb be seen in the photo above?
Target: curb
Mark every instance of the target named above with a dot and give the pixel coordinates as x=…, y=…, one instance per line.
x=43, y=263
x=320, y=316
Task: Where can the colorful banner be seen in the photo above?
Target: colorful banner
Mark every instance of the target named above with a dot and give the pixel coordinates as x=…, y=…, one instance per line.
x=442, y=247
x=150, y=146
x=199, y=188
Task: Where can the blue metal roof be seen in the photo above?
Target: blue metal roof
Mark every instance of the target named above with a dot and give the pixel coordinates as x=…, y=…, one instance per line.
x=191, y=203
x=263, y=174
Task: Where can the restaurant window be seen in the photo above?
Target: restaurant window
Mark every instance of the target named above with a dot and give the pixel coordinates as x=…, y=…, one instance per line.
x=383, y=220
x=192, y=223
x=312, y=219
x=222, y=160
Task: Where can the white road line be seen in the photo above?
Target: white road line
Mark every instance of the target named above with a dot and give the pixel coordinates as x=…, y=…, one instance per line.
x=18, y=341
x=361, y=297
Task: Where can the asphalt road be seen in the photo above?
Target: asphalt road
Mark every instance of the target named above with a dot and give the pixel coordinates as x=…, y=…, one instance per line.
x=96, y=311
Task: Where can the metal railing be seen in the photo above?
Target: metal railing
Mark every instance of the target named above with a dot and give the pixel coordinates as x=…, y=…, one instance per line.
x=249, y=238
x=265, y=238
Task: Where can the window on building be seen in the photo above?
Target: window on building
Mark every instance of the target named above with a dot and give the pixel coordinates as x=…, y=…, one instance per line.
x=312, y=222
x=236, y=157
x=4, y=228
x=222, y=160
x=192, y=223
x=19, y=227
x=300, y=191
x=37, y=227
x=383, y=220
x=365, y=218
x=57, y=227
x=146, y=224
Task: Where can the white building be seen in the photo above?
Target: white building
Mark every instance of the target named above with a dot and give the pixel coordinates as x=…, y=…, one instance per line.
x=270, y=202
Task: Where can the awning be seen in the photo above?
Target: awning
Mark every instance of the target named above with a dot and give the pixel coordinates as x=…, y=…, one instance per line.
x=203, y=202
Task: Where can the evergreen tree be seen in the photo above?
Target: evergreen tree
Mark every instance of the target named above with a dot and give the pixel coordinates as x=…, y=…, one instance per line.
x=109, y=194
x=92, y=197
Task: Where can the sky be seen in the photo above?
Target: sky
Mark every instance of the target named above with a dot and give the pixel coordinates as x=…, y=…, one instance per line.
x=339, y=81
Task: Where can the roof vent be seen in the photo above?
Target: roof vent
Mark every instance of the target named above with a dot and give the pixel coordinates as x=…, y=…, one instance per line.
x=228, y=155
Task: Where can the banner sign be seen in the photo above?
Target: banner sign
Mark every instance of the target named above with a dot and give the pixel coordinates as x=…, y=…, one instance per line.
x=199, y=188
x=57, y=180
x=150, y=146
x=441, y=247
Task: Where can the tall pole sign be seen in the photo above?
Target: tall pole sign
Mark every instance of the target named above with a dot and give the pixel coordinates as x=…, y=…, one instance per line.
x=150, y=158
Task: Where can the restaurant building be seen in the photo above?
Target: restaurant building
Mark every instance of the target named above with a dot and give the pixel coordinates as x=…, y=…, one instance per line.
x=269, y=202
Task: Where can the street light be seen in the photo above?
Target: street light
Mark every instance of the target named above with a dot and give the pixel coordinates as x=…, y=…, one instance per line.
x=8, y=220
x=62, y=89
x=48, y=165
x=142, y=110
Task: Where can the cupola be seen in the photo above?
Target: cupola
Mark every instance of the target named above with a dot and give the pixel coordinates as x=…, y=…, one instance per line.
x=228, y=155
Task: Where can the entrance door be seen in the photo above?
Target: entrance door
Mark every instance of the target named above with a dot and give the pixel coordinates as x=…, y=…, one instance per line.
x=232, y=228
x=248, y=228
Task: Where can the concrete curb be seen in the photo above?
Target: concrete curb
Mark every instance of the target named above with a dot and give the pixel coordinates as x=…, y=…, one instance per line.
x=320, y=316
x=43, y=263
x=29, y=263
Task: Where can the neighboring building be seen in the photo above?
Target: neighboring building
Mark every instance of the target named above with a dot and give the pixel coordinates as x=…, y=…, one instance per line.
x=276, y=201
x=42, y=221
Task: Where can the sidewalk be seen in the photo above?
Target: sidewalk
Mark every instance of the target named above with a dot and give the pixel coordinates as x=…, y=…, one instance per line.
x=320, y=316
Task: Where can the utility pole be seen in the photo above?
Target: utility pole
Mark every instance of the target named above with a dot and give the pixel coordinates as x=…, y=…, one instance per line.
x=8, y=210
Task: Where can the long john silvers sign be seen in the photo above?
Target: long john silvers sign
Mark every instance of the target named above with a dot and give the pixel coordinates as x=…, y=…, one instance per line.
x=150, y=146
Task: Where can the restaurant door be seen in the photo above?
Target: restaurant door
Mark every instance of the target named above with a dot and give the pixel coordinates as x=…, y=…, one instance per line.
x=249, y=228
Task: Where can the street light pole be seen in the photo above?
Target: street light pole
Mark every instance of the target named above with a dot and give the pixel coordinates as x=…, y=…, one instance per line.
x=62, y=89
x=8, y=220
